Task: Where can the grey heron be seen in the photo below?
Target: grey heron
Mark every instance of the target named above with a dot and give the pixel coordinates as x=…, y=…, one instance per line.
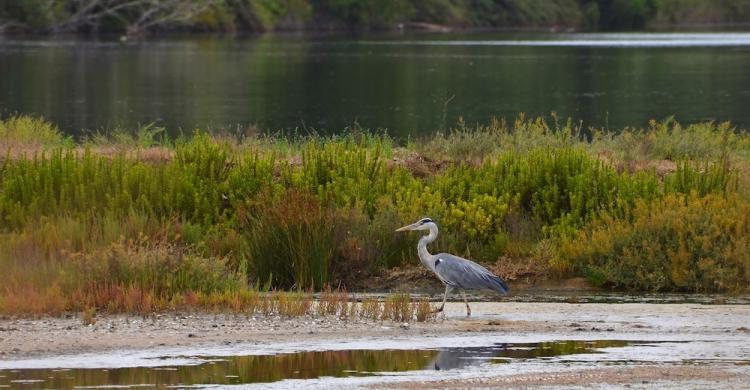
x=455, y=272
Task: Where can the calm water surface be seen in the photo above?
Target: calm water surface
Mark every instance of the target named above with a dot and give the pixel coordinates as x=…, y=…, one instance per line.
x=408, y=84
x=301, y=365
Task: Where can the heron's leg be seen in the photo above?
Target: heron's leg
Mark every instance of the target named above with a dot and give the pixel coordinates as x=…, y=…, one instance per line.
x=466, y=301
x=445, y=298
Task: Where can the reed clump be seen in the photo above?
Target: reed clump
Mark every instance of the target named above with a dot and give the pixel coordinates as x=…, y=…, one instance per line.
x=219, y=217
x=398, y=307
x=423, y=310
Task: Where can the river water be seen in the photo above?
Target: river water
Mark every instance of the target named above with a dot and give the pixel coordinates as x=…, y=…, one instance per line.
x=408, y=84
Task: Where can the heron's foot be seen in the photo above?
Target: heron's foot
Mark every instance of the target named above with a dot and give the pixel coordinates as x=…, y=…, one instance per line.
x=468, y=313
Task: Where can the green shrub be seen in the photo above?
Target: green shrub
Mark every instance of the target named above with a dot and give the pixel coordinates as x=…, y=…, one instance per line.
x=669, y=140
x=678, y=243
x=474, y=144
x=21, y=130
x=706, y=178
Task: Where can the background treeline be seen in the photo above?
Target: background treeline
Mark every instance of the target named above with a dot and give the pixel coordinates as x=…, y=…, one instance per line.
x=140, y=16
x=128, y=221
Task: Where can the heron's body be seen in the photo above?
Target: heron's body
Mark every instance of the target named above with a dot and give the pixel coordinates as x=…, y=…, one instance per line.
x=455, y=272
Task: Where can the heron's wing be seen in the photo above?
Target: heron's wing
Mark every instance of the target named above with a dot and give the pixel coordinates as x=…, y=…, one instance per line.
x=465, y=274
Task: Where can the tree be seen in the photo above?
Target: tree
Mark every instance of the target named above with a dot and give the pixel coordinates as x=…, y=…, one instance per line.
x=130, y=16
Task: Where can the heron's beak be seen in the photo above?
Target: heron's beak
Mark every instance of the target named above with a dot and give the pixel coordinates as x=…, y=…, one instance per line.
x=406, y=228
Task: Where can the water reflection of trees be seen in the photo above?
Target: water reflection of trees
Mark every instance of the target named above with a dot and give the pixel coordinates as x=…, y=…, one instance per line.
x=277, y=82
x=303, y=365
x=239, y=369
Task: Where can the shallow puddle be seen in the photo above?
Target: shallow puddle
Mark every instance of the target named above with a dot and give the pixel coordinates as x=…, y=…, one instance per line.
x=300, y=365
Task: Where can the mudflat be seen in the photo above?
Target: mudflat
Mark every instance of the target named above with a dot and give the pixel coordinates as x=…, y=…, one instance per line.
x=692, y=345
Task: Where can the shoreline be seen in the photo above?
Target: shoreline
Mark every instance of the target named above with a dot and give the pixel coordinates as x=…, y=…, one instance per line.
x=396, y=29
x=131, y=341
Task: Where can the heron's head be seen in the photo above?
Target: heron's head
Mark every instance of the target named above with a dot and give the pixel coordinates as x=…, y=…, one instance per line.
x=422, y=224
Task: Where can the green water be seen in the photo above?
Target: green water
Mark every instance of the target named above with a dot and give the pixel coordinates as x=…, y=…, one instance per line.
x=301, y=365
x=409, y=84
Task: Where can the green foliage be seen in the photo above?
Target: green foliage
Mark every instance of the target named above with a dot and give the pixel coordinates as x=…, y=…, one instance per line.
x=558, y=188
x=704, y=179
x=625, y=14
x=144, y=136
x=527, y=13
x=687, y=12
x=365, y=13
x=262, y=15
x=439, y=11
x=668, y=140
x=341, y=172
x=112, y=16
x=191, y=185
x=463, y=143
x=31, y=13
x=311, y=212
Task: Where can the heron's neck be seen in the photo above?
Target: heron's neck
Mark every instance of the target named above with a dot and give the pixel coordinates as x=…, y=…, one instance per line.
x=424, y=254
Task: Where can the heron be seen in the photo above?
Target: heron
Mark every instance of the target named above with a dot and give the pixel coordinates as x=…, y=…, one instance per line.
x=455, y=272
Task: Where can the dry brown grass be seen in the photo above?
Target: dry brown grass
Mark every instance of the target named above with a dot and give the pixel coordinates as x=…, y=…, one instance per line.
x=154, y=154
x=33, y=301
x=424, y=311
x=520, y=268
x=398, y=307
x=88, y=316
x=370, y=308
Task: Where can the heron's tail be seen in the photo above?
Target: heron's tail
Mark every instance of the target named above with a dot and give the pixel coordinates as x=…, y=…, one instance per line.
x=498, y=285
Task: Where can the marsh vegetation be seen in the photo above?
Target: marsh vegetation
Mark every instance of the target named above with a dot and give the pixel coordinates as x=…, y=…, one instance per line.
x=135, y=222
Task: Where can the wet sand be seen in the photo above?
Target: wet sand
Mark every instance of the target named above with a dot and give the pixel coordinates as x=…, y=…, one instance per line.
x=718, y=354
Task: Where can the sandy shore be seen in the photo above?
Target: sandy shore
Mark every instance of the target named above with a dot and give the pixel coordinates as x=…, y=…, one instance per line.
x=723, y=354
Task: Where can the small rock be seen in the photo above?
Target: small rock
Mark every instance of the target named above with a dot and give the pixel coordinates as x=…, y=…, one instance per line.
x=190, y=335
x=405, y=325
